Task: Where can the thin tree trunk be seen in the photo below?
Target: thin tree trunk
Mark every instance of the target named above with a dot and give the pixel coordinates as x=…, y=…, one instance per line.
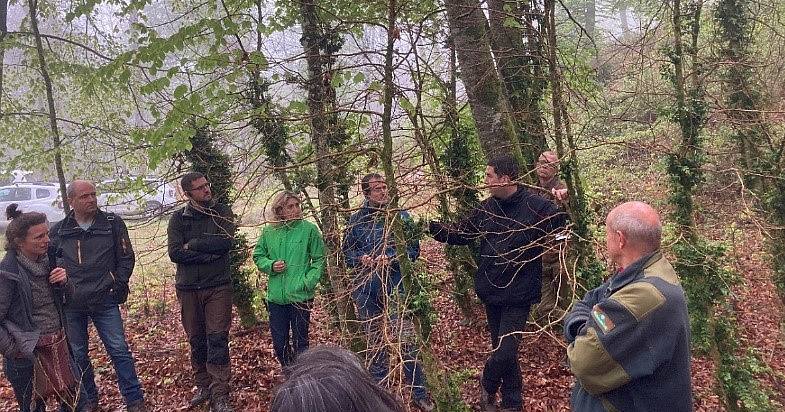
x=469, y=30
x=460, y=260
x=56, y=144
x=311, y=39
x=578, y=203
x=437, y=379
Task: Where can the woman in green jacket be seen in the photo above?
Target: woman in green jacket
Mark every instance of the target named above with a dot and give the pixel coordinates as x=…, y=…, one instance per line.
x=291, y=252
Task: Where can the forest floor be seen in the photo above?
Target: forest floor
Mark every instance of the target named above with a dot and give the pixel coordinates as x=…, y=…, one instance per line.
x=162, y=354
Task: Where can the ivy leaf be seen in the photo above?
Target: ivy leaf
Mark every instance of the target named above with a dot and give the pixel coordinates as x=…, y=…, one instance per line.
x=510, y=21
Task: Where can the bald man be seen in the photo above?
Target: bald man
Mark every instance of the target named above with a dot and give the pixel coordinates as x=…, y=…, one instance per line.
x=95, y=250
x=629, y=338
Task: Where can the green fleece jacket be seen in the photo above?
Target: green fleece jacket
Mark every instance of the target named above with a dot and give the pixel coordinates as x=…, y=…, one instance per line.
x=299, y=244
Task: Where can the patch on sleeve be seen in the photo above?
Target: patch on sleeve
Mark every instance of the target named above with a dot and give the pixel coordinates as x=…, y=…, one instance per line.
x=602, y=319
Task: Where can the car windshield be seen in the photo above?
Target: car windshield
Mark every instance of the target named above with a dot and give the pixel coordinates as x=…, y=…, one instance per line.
x=15, y=194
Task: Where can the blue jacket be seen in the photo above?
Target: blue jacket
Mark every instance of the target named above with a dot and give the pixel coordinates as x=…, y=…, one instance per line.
x=629, y=342
x=369, y=233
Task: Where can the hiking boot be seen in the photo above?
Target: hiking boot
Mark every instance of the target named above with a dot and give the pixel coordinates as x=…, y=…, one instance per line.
x=221, y=405
x=487, y=400
x=202, y=395
x=137, y=406
x=424, y=404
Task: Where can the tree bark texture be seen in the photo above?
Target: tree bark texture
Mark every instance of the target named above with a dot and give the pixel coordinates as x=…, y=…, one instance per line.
x=485, y=91
x=515, y=67
x=317, y=98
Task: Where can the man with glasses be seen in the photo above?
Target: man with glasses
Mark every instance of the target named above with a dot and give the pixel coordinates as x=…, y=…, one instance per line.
x=201, y=237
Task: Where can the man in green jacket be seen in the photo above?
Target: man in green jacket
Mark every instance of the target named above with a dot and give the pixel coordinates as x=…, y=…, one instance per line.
x=290, y=250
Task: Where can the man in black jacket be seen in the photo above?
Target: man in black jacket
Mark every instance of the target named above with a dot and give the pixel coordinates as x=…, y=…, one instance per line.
x=201, y=237
x=95, y=250
x=511, y=227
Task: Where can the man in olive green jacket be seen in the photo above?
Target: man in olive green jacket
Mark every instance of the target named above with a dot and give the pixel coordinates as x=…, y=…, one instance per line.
x=291, y=252
x=629, y=339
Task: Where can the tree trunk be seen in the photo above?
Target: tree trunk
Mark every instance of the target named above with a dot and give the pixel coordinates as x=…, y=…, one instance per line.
x=50, y=100
x=335, y=268
x=469, y=30
x=437, y=379
x=512, y=57
x=591, y=17
x=578, y=203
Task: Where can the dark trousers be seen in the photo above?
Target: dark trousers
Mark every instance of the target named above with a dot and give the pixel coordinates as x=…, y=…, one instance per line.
x=20, y=374
x=505, y=325
x=206, y=315
x=285, y=320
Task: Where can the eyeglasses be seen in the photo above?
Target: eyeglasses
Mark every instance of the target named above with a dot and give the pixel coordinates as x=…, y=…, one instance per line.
x=200, y=187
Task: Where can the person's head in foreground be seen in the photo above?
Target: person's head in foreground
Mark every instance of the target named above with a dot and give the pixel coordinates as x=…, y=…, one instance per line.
x=331, y=379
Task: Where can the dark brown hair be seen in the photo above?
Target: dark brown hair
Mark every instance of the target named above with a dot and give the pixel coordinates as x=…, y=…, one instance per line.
x=20, y=225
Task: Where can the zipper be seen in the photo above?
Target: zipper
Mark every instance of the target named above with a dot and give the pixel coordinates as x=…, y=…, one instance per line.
x=79, y=251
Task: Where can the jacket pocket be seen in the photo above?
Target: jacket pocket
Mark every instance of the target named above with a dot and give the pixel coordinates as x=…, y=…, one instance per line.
x=90, y=290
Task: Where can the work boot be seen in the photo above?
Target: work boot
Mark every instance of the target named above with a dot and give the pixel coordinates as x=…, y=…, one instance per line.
x=487, y=400
x=137, y=406
x=424, y=404
x=202, y=395
x=221, y=405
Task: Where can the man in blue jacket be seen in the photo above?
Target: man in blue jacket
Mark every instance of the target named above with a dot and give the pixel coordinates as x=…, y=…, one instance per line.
x=629, y=339
x=369, y=250
x=511, y=228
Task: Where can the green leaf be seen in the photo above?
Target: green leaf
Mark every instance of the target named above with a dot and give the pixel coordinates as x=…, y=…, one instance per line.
x=180, y=91
x=258, y=59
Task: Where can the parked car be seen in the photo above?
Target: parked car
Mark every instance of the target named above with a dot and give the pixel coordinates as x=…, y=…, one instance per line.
x=32, y=197
x=133, y=197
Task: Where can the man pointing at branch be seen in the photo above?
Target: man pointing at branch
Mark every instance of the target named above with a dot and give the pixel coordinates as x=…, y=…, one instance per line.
x=511, y=227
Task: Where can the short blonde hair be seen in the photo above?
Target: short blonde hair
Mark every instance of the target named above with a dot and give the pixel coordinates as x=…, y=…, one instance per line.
x=279, y=201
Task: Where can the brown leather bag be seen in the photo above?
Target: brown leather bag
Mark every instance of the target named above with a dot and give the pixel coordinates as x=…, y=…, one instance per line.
x=52, y=371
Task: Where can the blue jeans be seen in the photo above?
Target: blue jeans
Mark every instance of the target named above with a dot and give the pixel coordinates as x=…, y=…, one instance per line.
x=375, y=309
x=285, y=319
x=109, y=324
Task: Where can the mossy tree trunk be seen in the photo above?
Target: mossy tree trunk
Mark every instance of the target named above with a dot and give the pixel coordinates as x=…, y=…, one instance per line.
x=322, y=127
x=484, y=88
x=216, y=166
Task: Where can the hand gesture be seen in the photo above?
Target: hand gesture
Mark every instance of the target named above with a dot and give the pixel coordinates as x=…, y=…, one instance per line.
x=279, y=266
x=560, y=194
x=58, y=276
